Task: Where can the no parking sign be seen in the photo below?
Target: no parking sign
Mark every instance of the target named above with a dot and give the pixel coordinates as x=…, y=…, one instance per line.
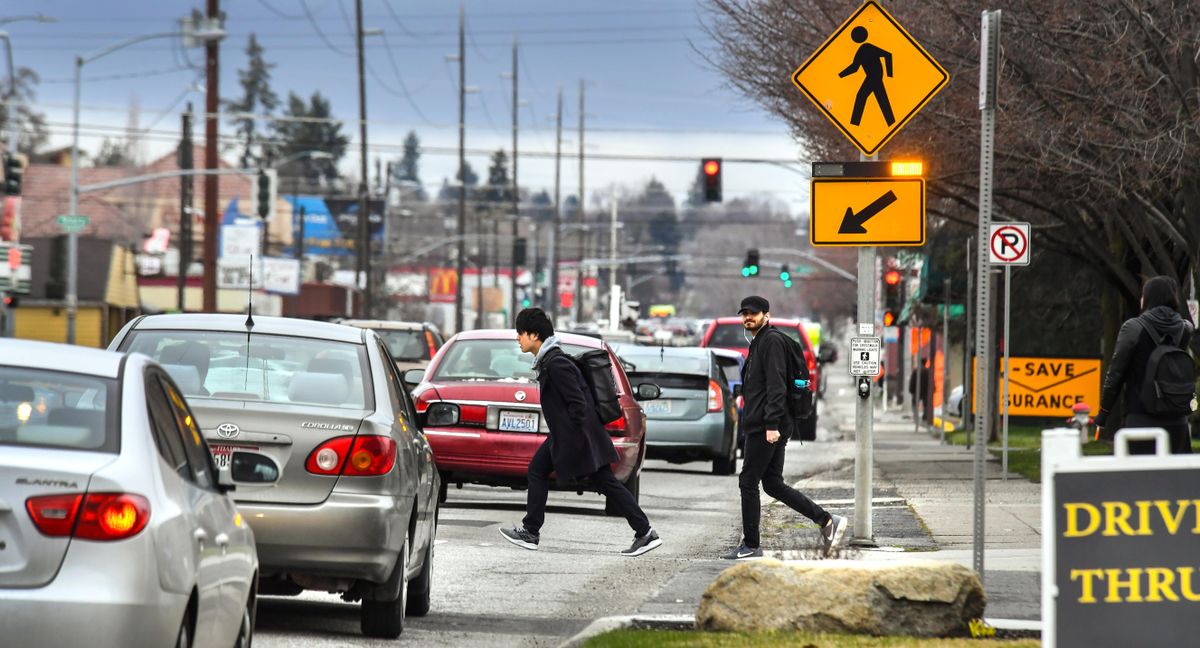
x=1008, y=244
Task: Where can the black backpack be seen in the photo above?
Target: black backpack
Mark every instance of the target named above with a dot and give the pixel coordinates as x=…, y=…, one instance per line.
x=596, y=367
x=800, y=403
x=1170, y=382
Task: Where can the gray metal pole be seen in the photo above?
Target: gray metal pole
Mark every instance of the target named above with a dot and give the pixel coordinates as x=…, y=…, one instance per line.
x=968, y=350
x=462, y=166
x=612, y=246
x=72, y=237
x=552, y=289
x=945, y=360
x=864, y=461
x=516, y=193
x=584, y=234
x=989, y=51
x=1004, y=396
x=364, y=217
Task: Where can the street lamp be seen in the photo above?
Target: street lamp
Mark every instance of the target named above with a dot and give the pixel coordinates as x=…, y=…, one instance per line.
x=73, y=236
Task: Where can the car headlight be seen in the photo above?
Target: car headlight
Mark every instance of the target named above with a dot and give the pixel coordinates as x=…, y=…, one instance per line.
x=441, y=414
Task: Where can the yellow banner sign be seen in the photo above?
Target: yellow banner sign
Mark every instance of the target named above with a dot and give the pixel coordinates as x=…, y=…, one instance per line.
x=1051, y=386
x=870, y=77
x=867, y=211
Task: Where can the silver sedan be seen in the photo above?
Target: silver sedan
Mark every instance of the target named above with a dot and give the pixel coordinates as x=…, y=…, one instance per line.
x=115, y=529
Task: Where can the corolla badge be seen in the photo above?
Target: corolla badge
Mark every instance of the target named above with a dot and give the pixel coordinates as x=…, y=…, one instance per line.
x=228, y=430
x=520, y=396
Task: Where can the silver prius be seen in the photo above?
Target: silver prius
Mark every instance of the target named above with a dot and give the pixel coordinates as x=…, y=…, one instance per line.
x=355, y=507
x=115, y=529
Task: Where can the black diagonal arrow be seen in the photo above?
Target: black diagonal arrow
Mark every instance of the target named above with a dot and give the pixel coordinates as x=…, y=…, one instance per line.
x=852, y=223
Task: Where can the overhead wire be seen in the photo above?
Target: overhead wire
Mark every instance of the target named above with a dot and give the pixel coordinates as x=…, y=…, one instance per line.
x=317, y=28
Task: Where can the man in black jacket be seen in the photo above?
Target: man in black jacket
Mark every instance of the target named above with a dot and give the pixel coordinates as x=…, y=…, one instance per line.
x=577, y=446
x=766, y=379
x=1127, y=368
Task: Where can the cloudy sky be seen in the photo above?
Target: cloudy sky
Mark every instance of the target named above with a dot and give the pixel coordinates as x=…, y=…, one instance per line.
x=649, y=91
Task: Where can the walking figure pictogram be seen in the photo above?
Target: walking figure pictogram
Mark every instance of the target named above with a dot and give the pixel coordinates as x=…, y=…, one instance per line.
x=868, y=58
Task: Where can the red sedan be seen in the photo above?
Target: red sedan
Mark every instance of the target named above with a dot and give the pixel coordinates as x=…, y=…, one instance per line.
x=480, y=404
x=729, y=333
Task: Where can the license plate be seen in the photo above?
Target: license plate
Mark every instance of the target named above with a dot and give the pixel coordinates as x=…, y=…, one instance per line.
x=518, y=421
x=658, y=407
x=222, y=453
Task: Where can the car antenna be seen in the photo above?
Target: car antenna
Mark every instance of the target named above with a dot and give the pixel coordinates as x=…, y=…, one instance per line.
x=250, y=297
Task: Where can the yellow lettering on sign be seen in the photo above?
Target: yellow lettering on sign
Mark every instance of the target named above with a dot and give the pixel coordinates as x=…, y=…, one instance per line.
x=1161, y=580
x=1073, y=530
x=1186, y=584
x=1086, y=594
x=1172, y=522
x=1116, y=514
x=1131, y=582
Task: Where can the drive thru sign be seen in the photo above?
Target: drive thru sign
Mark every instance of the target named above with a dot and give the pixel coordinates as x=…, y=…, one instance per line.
x=870, y=77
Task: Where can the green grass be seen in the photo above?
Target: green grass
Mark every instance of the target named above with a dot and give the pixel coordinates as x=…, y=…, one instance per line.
x=1025, y=449
x=681, y=638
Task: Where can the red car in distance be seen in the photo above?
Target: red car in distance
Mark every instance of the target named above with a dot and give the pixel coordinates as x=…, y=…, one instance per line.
x=729, y=333
x=479, y=404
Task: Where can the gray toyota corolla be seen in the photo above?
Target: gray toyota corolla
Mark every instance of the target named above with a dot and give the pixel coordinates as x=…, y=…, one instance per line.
x=355, y=507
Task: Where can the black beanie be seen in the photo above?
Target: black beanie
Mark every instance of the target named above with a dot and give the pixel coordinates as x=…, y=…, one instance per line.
x=1160, y=291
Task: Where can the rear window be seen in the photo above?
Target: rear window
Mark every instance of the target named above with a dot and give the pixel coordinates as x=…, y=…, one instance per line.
x=730, y=336
x=270, y=368
x=53, y=409
x=729, y=367
x=654, y=361
x=405, y=345
x=490, y=360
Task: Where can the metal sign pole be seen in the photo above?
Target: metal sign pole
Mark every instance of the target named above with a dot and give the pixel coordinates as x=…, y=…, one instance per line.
x=864, y=423
x=945, y=361
x=989, y=51
x=1004, y=425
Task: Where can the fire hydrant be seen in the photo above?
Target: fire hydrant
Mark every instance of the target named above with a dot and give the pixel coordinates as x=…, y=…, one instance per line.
x=1080, y=420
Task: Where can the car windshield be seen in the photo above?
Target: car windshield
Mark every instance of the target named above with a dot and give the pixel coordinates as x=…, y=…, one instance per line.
x=405, y=345
x=490, y=360
x=271, y=368
x=54, y=409
x=651, y=360
x=730, y=336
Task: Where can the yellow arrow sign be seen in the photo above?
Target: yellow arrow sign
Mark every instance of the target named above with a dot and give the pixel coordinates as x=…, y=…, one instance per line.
x=870, y=77
x=867, y=211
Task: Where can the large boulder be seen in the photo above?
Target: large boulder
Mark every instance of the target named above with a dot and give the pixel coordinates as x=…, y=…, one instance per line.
x=923, y=598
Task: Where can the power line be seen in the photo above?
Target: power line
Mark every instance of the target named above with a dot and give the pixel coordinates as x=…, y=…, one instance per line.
x=317, y=28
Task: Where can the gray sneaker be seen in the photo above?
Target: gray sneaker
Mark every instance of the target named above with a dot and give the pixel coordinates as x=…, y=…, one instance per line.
x=522, y=538
x=641, y=545
x=744, y=553
x=832, y=532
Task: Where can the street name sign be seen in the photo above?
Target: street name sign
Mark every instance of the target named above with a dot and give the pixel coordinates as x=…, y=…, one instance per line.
x=864, y=356
x=1008, y=244
x=867, y=211
x=870, y=77
x=72, y=223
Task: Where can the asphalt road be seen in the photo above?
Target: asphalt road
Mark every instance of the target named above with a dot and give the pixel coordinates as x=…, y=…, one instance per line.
x=488, y=592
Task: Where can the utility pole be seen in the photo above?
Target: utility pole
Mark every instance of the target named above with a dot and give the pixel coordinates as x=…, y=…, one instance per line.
x=186, y=162
x=462, y=167
x=516, y=198
x=552, y=289
x=363, y=249
x=480, y=264
x=211, y=193
x=583, y=233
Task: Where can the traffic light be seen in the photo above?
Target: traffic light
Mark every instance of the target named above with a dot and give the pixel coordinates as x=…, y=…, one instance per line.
x=750, y=265
x=891, y=296
x=710, y=168
x=13, y=170
x=785, y=276
x=11, y=301
x=9, y=226
x=265, y=194
x=889, y=317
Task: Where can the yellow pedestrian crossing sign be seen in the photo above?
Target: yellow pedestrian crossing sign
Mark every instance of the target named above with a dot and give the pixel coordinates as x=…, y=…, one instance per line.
x=870, y=77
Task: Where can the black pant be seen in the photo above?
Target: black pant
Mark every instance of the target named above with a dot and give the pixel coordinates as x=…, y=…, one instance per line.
x=603, y=480
x=762, y=461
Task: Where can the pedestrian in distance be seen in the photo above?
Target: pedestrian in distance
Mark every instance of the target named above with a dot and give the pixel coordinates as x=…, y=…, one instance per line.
x=1151, y=362
x=918, y=388
x=577, y=447
x=766, y=381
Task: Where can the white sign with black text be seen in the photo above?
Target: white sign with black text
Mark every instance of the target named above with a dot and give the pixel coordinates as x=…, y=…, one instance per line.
x=864, y=356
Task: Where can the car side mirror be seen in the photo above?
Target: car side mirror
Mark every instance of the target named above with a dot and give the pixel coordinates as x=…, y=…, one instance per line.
x=252, y=469
x=737, y=390
x=413, y=376
x=647, y=391
x=826, y=355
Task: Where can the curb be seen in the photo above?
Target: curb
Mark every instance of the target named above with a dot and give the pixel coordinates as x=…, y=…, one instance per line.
x=637, y=621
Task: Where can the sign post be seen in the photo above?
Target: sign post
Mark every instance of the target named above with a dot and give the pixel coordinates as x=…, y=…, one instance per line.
x=1008, y=245
x=869, y=78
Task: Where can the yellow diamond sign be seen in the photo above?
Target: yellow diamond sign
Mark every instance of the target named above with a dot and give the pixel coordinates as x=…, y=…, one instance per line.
x=870, y=77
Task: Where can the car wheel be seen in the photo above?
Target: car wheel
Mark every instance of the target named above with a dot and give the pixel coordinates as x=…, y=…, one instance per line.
x=726, y=465
x=806, y=429
x=385, y=619
x=443, y=492
x=634, y=486
x=420, y=589
x=245, y=636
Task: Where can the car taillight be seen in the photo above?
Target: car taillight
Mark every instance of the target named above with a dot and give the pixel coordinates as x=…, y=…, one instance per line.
x=432, y=346
x=370, y=456
x=740, y=402
x=616, y=426
x=101, y=516
x=442, y=414
x=716, y=402
x=473, y=414
x=328, y=457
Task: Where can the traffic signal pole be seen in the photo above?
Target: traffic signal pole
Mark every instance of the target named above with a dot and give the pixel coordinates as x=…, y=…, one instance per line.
x=864, y=423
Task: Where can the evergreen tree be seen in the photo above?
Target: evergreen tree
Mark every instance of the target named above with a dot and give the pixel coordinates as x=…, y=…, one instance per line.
x=112, y=154
x=31, y=125
x=257, y=99
x=406, y=173
x=296, y=137
x=449, y=193
x=499, y=189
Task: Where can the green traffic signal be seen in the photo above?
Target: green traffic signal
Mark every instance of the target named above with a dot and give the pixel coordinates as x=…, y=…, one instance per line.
x=745, y=271
x=754, y=270
x=787, y=283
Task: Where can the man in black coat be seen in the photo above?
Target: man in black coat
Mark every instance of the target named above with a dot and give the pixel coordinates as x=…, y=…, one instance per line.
x=577, y=446
x=766, y=379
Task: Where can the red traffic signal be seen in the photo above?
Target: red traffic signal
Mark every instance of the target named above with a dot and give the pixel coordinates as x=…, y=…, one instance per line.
x=889, y=318
x=712, y=167
x=891, y=277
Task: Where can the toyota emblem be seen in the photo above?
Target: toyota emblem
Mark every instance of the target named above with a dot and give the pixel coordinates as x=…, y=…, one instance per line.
x=228, y=430
x=520, y=396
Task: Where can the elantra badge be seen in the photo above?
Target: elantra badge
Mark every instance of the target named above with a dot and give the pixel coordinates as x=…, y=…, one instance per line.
x=228, y=430
x=520, y=396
